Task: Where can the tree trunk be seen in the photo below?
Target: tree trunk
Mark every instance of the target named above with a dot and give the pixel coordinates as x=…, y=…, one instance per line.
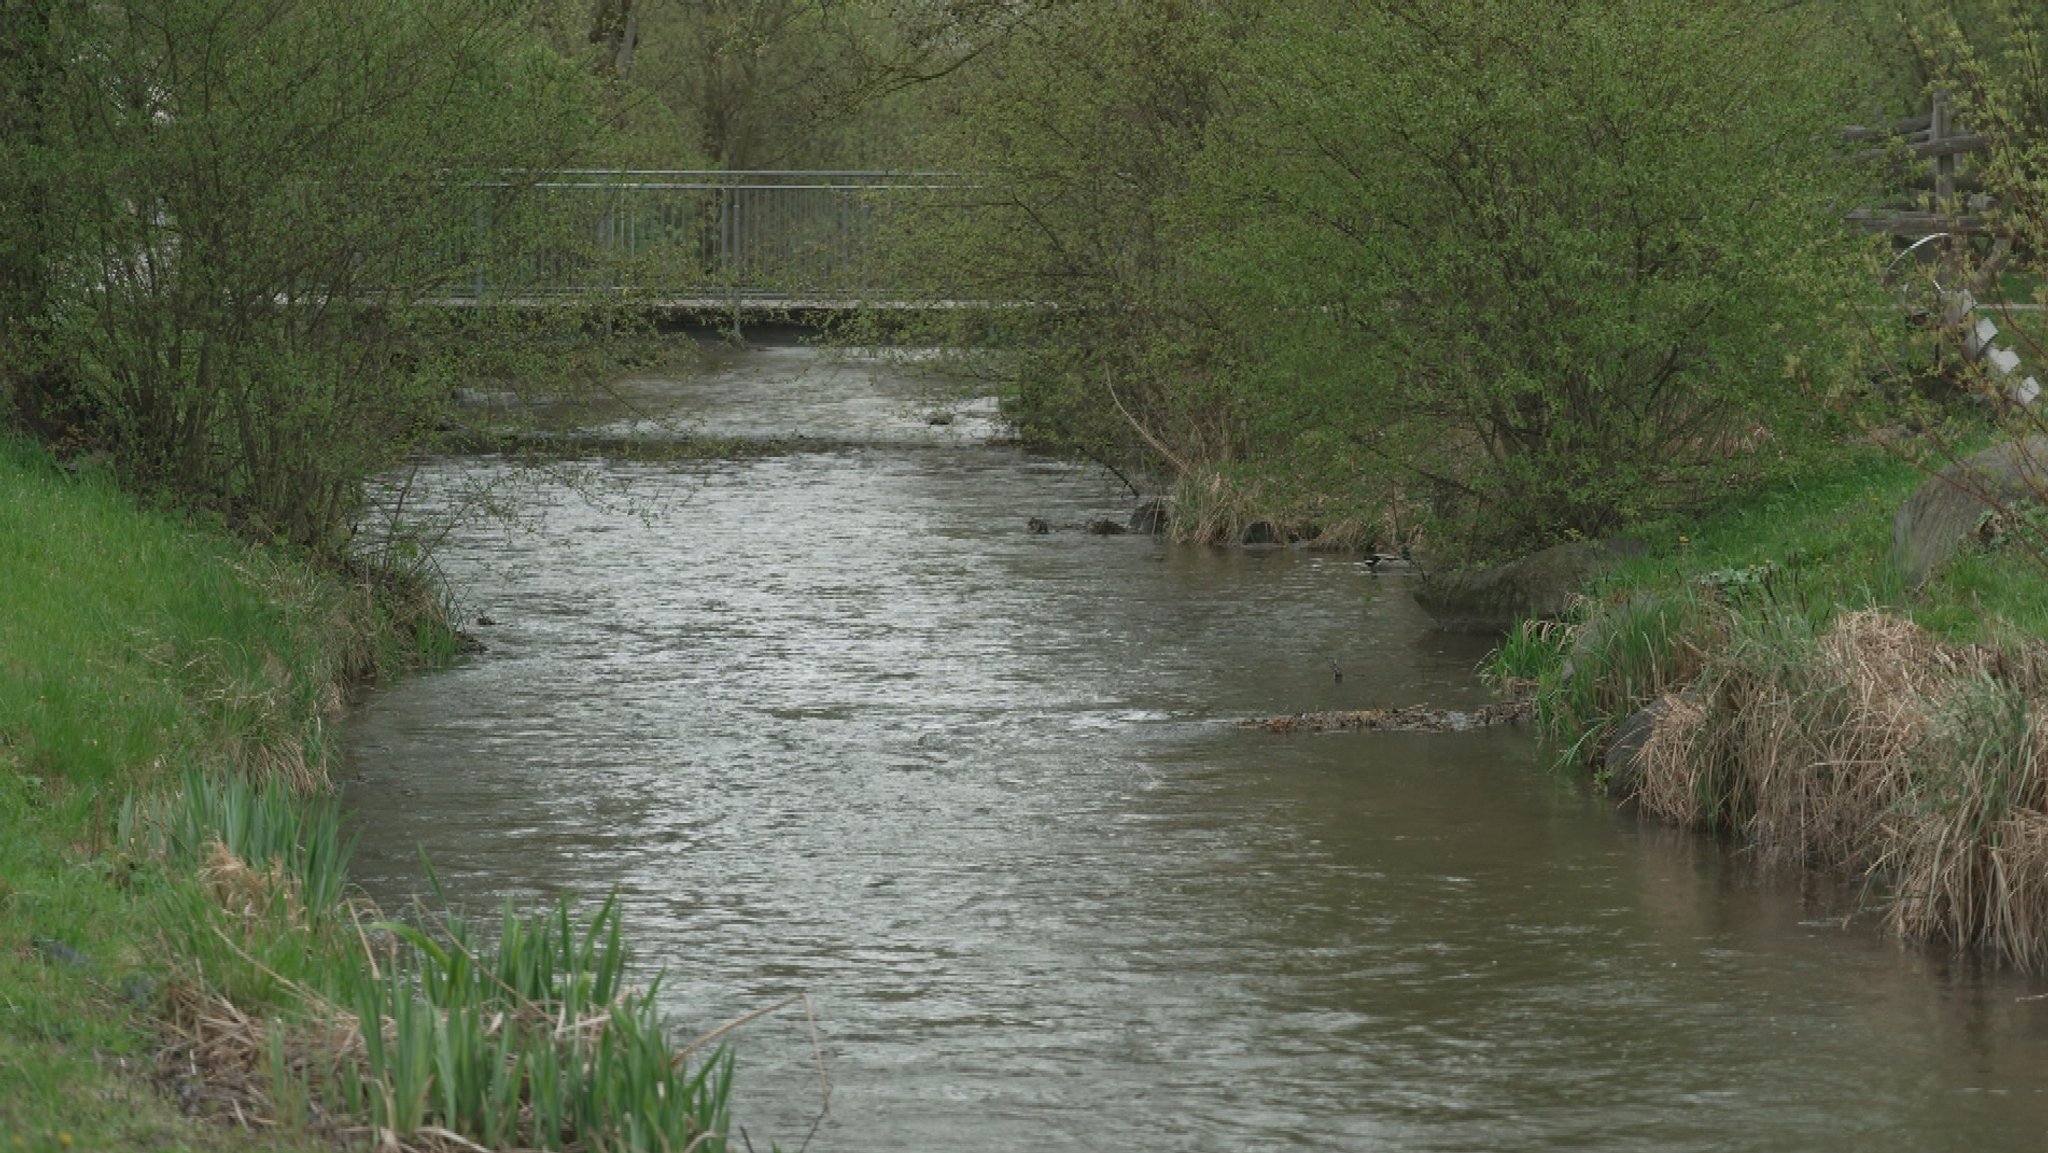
x=615, y=29
x=27, y=59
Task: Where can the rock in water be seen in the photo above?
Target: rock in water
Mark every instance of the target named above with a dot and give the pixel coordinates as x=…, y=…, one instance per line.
x=1150, y=518
x=1953, y=504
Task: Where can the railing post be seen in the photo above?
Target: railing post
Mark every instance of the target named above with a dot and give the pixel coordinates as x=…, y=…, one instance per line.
x=482, y=243
x=735, y=262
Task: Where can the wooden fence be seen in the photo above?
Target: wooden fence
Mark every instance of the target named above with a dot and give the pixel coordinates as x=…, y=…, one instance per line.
x=1945, y=219
x=1945, y=197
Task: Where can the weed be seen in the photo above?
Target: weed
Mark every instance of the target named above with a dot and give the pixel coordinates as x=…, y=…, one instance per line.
x=299, y=1006
x=1968, y=844
x=1617, y=658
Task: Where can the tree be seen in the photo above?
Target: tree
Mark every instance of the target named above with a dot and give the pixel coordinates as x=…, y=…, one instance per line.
x=28, y=62
x=1547, y=258
x=252, y=205
x=748, y=84
x=1077, y=126
x=1541, y=263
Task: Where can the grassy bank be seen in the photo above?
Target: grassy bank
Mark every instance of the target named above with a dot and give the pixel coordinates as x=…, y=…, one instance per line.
x=178, y=948
x=1765, y=674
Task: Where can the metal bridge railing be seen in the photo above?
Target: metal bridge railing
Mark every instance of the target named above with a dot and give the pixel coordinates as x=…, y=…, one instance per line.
x=708, y=235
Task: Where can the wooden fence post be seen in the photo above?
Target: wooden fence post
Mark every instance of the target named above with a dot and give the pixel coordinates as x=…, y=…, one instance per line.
x=1940, y=129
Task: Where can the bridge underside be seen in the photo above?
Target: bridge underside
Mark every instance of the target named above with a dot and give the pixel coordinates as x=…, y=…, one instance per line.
x=690, y=304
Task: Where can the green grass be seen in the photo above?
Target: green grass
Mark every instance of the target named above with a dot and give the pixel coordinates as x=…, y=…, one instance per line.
x=1823, y=542
x=168, y=858
x=131, y=644
x=1811, y=547
x=1823, y=537
x=131, y=649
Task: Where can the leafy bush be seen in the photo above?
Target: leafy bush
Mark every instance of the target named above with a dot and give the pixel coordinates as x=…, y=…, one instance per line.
x=1564, y=252
x=242, y=208
x=1540, y=267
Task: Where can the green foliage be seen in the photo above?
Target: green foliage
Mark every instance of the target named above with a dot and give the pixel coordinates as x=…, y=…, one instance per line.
x=1540, y=269
x=1080, y=129
x=264, y=823
x=533, y=1041
x=760, y=84
x=1567, y=250
x=1993, y=58
x=248, y=204
x=532, y=1038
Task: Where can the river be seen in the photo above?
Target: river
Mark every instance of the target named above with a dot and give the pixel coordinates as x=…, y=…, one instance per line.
x=836, y=723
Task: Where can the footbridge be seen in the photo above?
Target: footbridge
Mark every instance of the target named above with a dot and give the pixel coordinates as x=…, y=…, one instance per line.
x=739, y=243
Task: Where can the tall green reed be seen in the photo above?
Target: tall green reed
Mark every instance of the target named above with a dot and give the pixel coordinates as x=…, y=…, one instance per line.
x=531, y=1036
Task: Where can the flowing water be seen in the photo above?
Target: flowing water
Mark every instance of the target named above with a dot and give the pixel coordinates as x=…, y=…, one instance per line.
x=837, y=724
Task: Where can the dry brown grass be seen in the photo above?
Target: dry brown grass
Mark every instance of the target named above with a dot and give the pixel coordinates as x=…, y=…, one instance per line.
x=1212, y=507
x=220, y=1063
x=1800, y=744
x=1670, y=787
x=246, y=893
x=1971, y=854
x=1874, y=750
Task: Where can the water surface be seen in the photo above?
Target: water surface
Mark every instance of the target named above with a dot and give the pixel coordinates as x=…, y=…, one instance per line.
x=837, y=724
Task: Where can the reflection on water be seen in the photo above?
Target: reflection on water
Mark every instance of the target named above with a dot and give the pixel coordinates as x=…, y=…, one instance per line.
x=836, y=723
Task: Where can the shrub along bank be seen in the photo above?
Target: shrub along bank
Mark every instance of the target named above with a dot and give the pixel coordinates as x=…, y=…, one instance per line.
x=1766, y=674
x=174, y=903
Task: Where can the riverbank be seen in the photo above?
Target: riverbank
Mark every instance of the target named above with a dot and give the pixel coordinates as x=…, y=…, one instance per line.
x=1766, y=673
x=178, y=946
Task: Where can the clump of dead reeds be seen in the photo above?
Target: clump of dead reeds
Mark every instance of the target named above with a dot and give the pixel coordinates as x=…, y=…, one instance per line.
x=1968, y=852
x=248, y=893
x=1865, y=746
x=1217, y=505
x=1791, y=736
